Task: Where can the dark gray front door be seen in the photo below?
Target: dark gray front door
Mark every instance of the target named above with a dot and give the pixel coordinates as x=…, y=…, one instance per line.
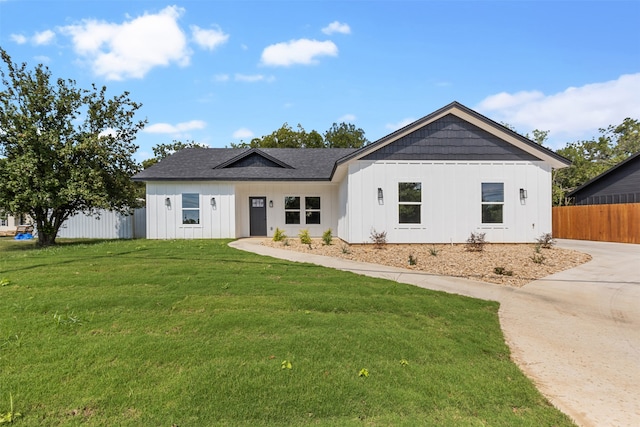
x=257, y=216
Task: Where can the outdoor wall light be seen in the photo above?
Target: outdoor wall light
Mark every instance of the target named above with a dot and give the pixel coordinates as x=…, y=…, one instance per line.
x=380, y=195
x=167, y=202
x=523, y=194
x=270, y=203
x=213, y=203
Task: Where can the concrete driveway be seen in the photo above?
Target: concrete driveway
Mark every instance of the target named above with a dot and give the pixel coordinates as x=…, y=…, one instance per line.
x=576, y=334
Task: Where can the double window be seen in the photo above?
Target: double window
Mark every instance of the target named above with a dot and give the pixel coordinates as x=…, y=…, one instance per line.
x=293, y=210
x=190, y=208
x=492, y=202
x=409, y=202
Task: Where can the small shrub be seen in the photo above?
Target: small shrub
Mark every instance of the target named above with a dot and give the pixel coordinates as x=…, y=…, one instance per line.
x=501, y=271
x=412, y=260
x=546, y=240
x=286, y=242
x=327, y=237
x=537, y=248
x=537, y=258
x=278, y=235
x=305, y=238
x=345, y=249
x=433, y=251
x=476, y=242
x=379, y=239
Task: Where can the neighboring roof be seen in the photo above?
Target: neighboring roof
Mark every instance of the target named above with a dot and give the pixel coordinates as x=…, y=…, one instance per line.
x=271, y=164
x=467, y=114
x=320, y=164
x=605, y=174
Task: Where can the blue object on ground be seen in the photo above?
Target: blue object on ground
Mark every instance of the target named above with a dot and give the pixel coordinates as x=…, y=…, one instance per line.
x=24, y=236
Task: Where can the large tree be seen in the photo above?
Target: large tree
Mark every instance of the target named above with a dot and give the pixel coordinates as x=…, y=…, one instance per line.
x=63, y=150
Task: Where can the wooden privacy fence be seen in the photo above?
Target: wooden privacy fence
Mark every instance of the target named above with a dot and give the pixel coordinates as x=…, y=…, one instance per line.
x=605, y=223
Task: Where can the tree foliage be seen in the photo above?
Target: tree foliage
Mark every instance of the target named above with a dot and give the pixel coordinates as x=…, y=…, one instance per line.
x=160, y=151
x=593, y=157
x=345, y=135
x=64, y=150
x=341, y=135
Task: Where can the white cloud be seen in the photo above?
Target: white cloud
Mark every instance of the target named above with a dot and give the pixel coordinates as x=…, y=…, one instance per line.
x=402, y=123
x=575, y=113
x=347, y=118
x=18, y=38
x=38, y=39
x=177, y=129
x=253, y=78
x=42, y=59
x=208, y=39
x=337, y=27
x=133, y=48
x=43, y=37
x=243, y=133
x=302, y=51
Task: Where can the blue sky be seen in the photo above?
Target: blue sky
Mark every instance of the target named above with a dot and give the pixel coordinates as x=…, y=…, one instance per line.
x=218, y=72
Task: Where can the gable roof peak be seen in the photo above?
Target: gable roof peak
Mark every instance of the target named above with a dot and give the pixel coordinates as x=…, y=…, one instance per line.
x=253, y=152
x=471, y=116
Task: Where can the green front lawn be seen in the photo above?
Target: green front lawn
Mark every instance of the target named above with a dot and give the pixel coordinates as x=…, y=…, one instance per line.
x=194, y=333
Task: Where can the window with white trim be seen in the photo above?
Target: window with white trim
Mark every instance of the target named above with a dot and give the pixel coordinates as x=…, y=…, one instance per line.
x=4, y=219
x=312, y=210
x=190, y=208
x=492, y=202
x=409, y=202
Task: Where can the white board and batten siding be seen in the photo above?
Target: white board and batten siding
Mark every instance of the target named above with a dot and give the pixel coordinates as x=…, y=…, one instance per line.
x=450, y=203
x=276, y=192
x=165, y=219
x=105, y=225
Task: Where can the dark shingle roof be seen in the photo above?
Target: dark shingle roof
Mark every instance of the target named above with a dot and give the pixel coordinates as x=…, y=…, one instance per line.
x=226, y=164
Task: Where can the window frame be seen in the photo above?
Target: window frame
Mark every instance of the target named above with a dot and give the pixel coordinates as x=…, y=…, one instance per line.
x=292, y=210
x=417, y=203
x=299, y=210
x=187, y=219
x=309, y=211
x=486, y=204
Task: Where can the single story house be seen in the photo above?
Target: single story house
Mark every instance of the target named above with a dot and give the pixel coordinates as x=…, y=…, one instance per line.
x=436, y=180
x=620, y=184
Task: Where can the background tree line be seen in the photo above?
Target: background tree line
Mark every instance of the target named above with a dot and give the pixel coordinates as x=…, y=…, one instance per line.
x=590, y=158
x=342, y=135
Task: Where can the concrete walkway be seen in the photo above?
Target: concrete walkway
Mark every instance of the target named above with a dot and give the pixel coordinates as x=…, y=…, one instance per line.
x=576, y=334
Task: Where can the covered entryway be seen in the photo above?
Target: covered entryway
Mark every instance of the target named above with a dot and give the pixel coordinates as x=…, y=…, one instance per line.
x=257, y=216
